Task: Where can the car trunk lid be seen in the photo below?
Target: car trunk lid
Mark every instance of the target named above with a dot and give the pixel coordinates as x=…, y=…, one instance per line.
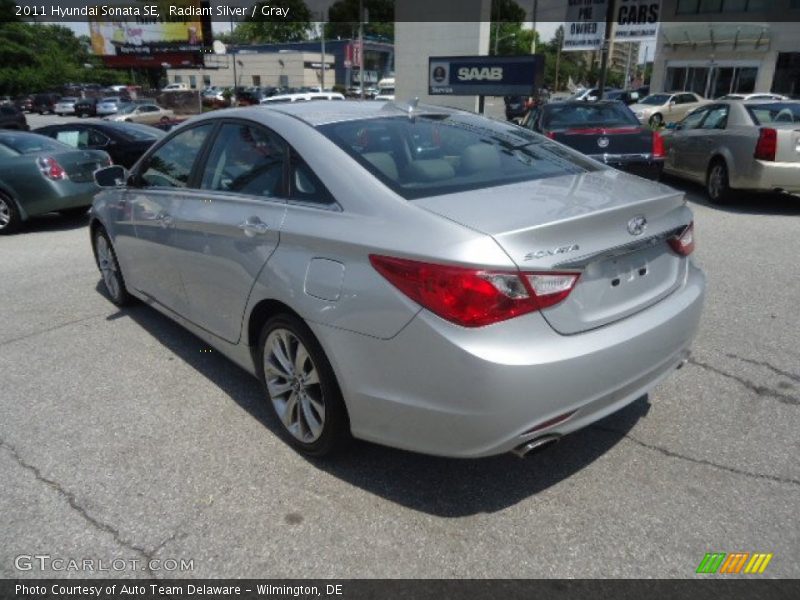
x=600, y=141
x=80, y=165
x=607, y=225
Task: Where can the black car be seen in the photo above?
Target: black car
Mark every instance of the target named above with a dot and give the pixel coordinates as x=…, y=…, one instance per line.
x=45, y=103
x=124, y=142
x=86, y=107
x=24, y=103
x=605, y=130
x=12, y=118
x=516, y=107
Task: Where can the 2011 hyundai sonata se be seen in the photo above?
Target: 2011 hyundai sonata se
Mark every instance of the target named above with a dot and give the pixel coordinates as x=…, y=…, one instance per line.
x=415, y=276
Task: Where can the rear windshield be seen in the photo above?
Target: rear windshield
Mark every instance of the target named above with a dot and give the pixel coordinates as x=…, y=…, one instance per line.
x=656, y=99
x=775, y=112
x=431, y=155
x=571, y=116
x=31, y=143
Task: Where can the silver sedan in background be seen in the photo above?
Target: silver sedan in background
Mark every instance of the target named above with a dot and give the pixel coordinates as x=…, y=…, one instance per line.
x=734, y=145
x=415, y=276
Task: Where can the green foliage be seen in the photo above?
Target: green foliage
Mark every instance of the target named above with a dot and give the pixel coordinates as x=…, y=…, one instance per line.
x=266, y=30
x=44, y=57
x=343, y=20
x=507, y=11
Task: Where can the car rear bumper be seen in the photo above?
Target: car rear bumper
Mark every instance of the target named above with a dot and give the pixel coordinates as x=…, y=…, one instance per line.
x=447, y=390
x=773, y=176
x=641, y=165
x=59, y=195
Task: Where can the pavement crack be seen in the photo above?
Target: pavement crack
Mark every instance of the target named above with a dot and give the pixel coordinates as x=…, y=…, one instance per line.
x=76, y=506
x=760, y=390
x=697, y=461
x=763, y=363
x=48, y=330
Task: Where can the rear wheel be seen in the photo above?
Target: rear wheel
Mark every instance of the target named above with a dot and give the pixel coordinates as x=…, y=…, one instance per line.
x=301, y=387
x=165, y=119
x=9, y=215
x=656, y=120
x=109, y=268
x=717, y=184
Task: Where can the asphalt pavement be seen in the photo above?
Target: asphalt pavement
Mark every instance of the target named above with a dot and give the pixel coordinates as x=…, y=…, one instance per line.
x=122, y=438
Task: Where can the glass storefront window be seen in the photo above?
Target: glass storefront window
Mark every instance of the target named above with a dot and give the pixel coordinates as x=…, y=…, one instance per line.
x=787, y=74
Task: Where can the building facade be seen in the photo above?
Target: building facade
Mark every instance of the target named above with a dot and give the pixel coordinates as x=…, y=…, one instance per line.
x=717, y=47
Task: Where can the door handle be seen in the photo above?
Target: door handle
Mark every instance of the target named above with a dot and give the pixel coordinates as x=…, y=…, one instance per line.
x=253, y=226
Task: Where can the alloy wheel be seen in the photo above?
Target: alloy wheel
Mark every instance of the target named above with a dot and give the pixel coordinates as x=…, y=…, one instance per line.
x=293, y=385
x=108, y=266
x=5, y=214
x=716, y=182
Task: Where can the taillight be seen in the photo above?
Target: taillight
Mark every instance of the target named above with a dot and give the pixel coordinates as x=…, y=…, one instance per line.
x=550, y=134
x=474, y=297
x=658, y=145
x=683, y=243
x=50, y=168
x=767, y=144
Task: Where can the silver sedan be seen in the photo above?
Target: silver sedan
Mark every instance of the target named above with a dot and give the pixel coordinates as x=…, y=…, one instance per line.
x=733, y=145
x=415, y=276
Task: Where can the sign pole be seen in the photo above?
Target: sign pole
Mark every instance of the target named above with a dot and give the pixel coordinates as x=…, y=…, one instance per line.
x=606, y=47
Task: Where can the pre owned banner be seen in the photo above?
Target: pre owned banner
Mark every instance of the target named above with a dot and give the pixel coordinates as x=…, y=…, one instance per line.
x=635, y=20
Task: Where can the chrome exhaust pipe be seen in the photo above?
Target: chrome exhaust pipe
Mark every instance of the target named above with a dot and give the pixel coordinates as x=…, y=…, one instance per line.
x=536, y=444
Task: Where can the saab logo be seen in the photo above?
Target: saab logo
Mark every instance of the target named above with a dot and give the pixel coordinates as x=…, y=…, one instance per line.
x=480, y=73
x=714, y=562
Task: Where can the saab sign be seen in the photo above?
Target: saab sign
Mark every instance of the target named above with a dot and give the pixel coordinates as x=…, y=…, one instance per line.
x=484, y=75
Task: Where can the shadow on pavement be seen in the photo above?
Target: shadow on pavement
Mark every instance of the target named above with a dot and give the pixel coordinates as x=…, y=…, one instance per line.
x=54, y=222
x=742, y=203
x=438, y=486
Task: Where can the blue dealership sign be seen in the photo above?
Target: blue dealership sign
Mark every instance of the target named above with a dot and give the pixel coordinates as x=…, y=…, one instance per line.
x=485, y=75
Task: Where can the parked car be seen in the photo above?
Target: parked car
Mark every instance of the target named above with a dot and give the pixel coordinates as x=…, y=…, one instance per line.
x=302, y=97
x=24, y=103
x=124, y=142
x=385, y=94
x=175, y=87
x=540, y=290
x=590, y=94
x=12, y=118
x=733, y=145
x=605, y=130
x=40, y=175
x=86, y=107
x=516, y=107
x=65, y=106
x=658, y=109
x=627, y=97
x=109, y=105
x=756, y=96
x=148, y=113
x=45, y=103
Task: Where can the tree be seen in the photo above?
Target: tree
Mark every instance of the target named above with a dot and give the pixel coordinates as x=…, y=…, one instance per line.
x=507, y=35
x=265, y=29
x=342, y=21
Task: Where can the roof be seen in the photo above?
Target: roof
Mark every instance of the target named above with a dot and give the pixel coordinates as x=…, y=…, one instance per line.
x=322, y=112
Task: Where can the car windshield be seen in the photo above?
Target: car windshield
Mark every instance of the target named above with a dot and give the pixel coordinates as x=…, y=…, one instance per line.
x=436, y=154
x=68, y=99
x=775, y=112
x=570, y=116
x=31, y=143
x=136, y=132
x=656, y=99
x=112, y=100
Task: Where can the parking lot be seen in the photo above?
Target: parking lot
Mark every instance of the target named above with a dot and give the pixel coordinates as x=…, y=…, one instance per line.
x=123, y=436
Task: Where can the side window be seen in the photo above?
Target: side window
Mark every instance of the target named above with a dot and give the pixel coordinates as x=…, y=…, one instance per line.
x=246, y=159
x=76, y=138
x=97, y=139
x=716, y=118
x=693, y=119
x=171, y=165
x=304, y=185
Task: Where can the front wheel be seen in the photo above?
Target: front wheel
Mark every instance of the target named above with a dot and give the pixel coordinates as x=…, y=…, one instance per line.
x=109, y=268
x=301, y=387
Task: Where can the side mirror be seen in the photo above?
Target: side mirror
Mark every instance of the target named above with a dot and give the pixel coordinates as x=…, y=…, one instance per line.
x=113, y=176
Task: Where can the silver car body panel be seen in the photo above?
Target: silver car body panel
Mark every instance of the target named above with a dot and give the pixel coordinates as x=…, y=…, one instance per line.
x=409, y=378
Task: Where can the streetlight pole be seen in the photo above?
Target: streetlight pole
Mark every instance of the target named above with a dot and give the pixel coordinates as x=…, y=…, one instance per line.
x=533, y=37
x=606, y=48
x=323, y=50
x=361, y=48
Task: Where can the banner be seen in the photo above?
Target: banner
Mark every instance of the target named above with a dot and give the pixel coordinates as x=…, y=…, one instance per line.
x=635, y=20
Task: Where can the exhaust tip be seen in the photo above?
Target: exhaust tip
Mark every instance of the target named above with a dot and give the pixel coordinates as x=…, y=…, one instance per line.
x=536, y=444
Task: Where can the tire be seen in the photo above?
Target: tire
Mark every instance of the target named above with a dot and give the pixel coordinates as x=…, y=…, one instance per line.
x=165, y=119
x=717, y=183
x=106, y=260
x=656, y=121
x=306, y=401
x=10, y=218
